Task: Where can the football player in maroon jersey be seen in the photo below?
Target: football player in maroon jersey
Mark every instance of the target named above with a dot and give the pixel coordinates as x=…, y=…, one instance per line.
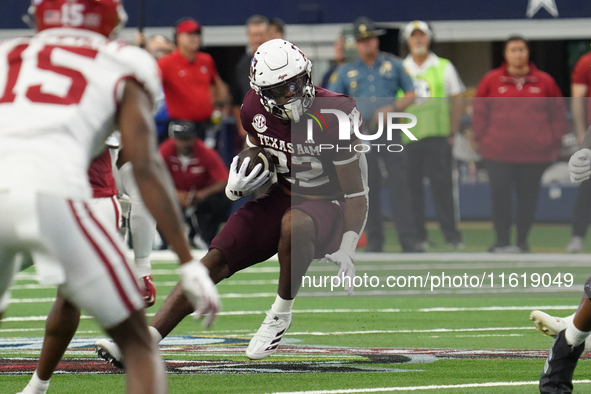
x=316, y=209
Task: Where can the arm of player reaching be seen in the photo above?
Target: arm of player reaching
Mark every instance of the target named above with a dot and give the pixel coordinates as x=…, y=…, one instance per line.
x=352, y=173
x=139, y=138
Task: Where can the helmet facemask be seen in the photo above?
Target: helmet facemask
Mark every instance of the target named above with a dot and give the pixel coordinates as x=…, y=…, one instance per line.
x=298, y=91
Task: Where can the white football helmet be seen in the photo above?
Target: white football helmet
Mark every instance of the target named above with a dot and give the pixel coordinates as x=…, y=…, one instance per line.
x=280, y=74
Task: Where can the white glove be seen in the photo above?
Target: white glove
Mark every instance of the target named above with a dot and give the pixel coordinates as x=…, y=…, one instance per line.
x=200, y=290
x=344, y=260
x=579, y=166
x=240, y=185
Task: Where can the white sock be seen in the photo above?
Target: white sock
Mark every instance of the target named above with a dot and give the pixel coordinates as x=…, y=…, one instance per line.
x=282, y=306
x=36, y=385
x=569, y=319
x=141, y=224
x=587, y=346
x=574, y=336
x=143, y=267
x=156, y=337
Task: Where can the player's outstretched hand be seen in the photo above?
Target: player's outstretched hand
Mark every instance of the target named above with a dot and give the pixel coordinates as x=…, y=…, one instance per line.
x=240, y=184
x=579, y=166
x=200, y=291
x=344, y=260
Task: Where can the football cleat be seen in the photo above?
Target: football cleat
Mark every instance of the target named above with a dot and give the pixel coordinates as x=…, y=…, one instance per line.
x=557, y=376
x=149, y=291
x=109, y=352
x=549, y=325
x=265, y=342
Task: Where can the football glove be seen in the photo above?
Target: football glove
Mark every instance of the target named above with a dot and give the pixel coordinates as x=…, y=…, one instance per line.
x=579, y=166
x=239, y=184
x=200, y=291
x=344, y=260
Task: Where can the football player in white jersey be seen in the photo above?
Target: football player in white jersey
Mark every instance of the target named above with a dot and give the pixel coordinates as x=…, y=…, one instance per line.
x=61, y=93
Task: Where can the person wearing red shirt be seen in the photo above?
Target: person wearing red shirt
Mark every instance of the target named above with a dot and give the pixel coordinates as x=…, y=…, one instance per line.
x=518, y=123
x=200, y=177
x=192, y=86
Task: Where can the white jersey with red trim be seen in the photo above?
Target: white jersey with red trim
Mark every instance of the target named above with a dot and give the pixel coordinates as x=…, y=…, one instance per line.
x=59, y=92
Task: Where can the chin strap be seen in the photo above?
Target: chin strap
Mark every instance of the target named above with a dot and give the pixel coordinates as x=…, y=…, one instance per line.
x=293, y=110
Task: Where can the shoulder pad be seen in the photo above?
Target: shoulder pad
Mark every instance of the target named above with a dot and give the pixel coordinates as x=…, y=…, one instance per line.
x=141, y=66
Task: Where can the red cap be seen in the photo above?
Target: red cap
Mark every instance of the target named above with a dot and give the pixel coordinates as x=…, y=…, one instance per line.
x=188, y=26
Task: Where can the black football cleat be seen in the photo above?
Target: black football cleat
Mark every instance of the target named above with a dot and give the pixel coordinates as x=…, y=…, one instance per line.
x=557, y=376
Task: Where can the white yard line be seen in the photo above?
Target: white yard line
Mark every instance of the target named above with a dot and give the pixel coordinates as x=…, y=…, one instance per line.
x=478, y=336
x=342, y=310
x=416, y=388
x=168, y=256
x=497, y=308
x=362, y=332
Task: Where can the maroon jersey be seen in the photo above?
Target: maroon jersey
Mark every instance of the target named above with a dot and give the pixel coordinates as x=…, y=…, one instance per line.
x=100, y=175
x=303, y=165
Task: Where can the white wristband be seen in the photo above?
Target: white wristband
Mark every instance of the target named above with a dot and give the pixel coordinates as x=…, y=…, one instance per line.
x=349, y=242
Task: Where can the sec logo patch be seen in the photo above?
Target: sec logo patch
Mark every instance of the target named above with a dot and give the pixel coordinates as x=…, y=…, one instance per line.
x=259, y=122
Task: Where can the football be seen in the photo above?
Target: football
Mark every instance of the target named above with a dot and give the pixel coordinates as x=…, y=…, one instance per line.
x=257, y=155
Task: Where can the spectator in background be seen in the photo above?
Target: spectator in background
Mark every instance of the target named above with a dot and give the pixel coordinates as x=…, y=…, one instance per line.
x=345, y=50
x=435, y=79
x=519, y=135
x=192, y=86
x=339, y=60
x=200, y=177
x=158, y=46
x=580, y=91
x=377, y=77
x=276, y=28
x=257, y=32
